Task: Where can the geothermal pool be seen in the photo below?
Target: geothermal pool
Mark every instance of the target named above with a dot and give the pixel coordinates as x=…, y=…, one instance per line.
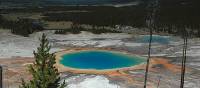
x=99, y=60
x=155, y=39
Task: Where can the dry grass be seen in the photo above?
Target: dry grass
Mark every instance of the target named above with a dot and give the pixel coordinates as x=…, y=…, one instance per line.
x=57, y=25
x=15, y=16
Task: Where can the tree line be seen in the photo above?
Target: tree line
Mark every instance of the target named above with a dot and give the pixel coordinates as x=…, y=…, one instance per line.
x=172, y=15
x=22, y=27
x=171, y=19
x=77, y=28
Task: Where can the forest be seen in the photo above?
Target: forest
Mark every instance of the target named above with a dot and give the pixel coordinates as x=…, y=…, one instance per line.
x=171, y=18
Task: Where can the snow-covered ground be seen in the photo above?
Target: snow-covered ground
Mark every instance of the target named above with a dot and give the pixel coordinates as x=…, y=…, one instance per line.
x=15, y=45
x=92, y=82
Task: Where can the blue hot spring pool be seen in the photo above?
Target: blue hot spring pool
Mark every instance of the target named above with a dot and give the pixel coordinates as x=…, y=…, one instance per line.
x=155, y=39
x=99, y=60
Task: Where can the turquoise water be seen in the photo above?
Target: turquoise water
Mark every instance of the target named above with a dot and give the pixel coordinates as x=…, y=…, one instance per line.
x=99, y=60
x=155, y=39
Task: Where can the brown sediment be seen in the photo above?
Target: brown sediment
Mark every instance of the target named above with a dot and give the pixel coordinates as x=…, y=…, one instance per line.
x=166, y=64
x=14, y=69
x=113, y=72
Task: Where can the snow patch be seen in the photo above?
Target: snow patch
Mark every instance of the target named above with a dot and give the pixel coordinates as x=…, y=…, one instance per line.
x=95, y=82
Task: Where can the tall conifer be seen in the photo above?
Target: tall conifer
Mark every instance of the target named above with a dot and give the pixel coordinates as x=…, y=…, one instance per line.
x=43, y=71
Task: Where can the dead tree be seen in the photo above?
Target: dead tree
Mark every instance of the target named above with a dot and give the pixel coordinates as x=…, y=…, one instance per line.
x=152, y=8
x=183, y=64
x=1, y=77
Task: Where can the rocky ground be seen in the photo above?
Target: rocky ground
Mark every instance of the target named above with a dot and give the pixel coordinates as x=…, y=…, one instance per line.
x=16, y=54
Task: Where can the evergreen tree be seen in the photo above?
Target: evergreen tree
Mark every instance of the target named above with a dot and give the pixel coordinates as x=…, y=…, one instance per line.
x=43, y=71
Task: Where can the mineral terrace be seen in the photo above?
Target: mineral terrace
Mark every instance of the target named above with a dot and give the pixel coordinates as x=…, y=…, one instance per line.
x=16, y=54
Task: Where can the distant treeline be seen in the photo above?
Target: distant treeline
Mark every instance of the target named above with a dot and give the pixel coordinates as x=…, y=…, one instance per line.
x=76, y=29
x=101, y=16
x=169, y=19
x=173, y=15
x=22, y=27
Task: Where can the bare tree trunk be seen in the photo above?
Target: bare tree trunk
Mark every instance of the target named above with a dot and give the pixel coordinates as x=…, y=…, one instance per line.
x=184, y=60
x=148, y=60
x=151, y=18
x=1, y=77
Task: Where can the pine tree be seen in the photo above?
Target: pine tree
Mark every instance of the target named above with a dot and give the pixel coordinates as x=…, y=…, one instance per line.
x=43, y=71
